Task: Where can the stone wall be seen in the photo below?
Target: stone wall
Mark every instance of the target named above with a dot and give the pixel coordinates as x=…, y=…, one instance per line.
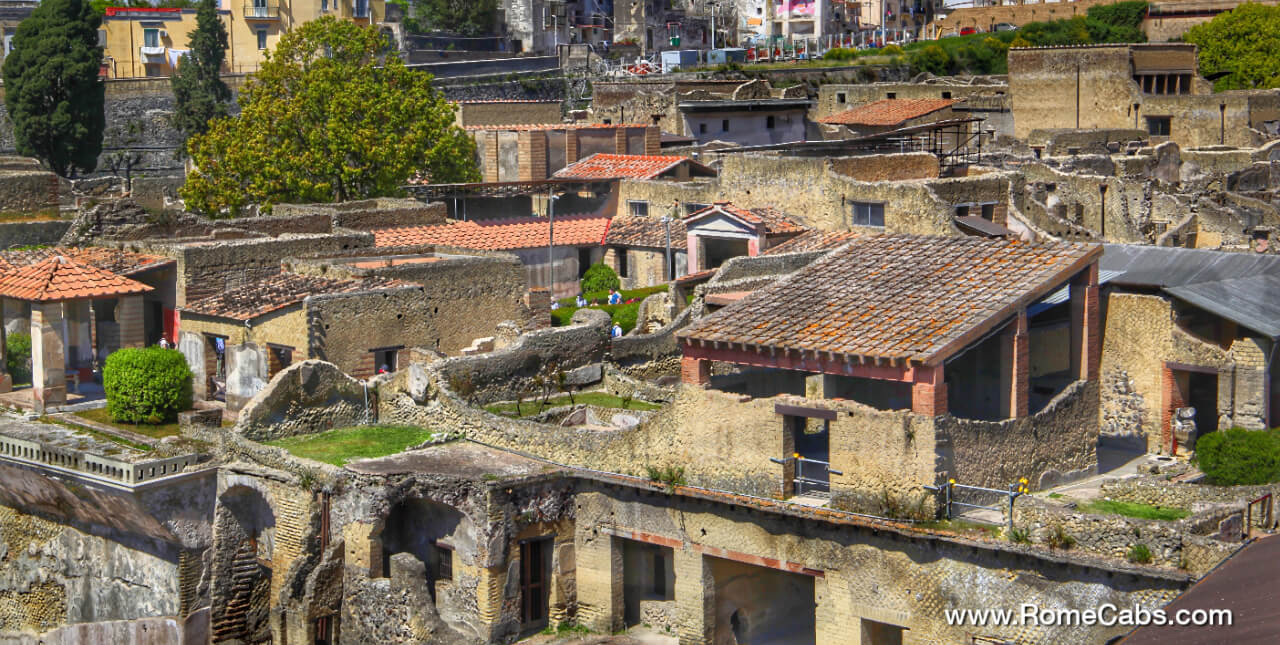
x=31, y=191
x=306, y=397
x=830, y=94
x=368, y=214
x=1147, y=489
x=508, y=373
x=32, y=233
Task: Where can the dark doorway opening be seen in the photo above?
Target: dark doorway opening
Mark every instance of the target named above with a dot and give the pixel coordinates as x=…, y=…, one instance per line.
x=1202, y=394
x=762, y=606
x=811, y=438
x=715, y=251
x=535, y=570
x=648, y=575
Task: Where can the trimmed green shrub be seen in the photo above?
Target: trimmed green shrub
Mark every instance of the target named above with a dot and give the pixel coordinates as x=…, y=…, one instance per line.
x=149, y=385
x=1139, y=554
x=599, y=277
x=1238, y=457
x=932, y=59
x=17, y=358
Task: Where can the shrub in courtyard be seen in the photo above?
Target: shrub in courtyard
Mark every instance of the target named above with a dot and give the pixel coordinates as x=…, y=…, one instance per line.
x=1238, y=457
x=599, y=277
x=17, y=357
x=149, y=385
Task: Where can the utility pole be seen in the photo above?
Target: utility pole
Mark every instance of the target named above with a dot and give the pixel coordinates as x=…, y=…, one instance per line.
x=551, y=240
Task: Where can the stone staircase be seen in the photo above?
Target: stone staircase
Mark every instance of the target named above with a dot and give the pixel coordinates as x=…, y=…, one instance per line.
x=293, y=518
x=245, y=572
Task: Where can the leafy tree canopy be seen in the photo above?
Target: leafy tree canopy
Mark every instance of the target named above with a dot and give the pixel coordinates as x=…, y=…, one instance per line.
x=322, y=121
x=52, y=89
x=1244, y=43
x=100, y=6
x=199, y=93
x=465, y=17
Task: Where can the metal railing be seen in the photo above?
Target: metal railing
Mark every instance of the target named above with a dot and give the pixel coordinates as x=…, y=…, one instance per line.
x=949, y=490
x=261, y=11
x=811, y=475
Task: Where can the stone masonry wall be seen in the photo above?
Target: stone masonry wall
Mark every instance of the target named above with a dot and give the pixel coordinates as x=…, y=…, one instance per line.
x=32, y=233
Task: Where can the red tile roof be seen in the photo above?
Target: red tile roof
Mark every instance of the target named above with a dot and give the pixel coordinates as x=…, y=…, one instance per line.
x=500, y=235
x=555, y=126
x=898, y=297
x=609, y=166
x=277, y=292
x=888, y=112
x=113, y=260
x=59, y=278
x=812, y=241
x=774, y=221
x=646, y=231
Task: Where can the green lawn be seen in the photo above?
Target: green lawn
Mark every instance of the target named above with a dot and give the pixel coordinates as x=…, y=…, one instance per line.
x=1129, y=509
x=154, y=431
x=600, y=399
x=339, y=446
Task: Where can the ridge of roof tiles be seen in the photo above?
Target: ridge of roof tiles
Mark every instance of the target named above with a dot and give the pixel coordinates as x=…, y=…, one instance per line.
x=895, y=296
x=611, y=166
x=116, y=261
x=279, y=291
x=813, y=240
x=647, y=232
x=887, y=112
x=500, y=235
x=774, y=221
x=58, y=278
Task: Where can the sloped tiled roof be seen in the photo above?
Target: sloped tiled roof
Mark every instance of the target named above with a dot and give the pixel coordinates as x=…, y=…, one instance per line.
x=499, y=235
x=775, y=222
x=899, y=297
x=59, y=278
x=812, y=241
x=646, y=231
x=113, y=260
x=609, y=166
x=887, y=112
x=277, y=292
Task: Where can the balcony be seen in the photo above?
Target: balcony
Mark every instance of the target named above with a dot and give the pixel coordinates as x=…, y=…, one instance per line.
x=261, y=11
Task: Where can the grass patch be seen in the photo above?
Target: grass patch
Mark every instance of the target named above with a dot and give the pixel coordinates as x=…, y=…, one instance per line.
x=120, y=441
x=1130, y=509
x=336, y=447
x=599, y=399
x=1056, y=496
x=963, y=527
x=624, y=315
x=159, y=431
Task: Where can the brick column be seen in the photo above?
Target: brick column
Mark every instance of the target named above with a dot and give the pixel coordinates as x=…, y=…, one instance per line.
x=599, y=580
x=1015, y=381
x=929, y=392
x=532, y=164
x=620, y=141
x=6, y=380
x=48, y=363
x=695, y=371
x=653, y=140
x=1085, y=325
x=1171, y=395
x=133, y=330
x=490, y=160
x=695, y=595
x=571, y=146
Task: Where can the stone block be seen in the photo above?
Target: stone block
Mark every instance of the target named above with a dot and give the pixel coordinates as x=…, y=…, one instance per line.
x=585, y=375
x=211, y=418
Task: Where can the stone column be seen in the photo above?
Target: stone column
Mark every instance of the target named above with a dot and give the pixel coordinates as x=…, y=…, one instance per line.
x=489, y=141
x=1015, y=378
x=652, y=140
x=599, y=580
x=929, y=392
x=6, y=379
x=620, y=140
x=48, y=372
x=695, y=371
x=532, y=159
x=571, y=146
x=695, y=595
x=1085, y=325
x=133, y=331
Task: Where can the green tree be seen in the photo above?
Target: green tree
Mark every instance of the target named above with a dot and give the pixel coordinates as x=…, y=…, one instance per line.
x=1243, y=43
x=599, y=277
x=322, y=121
x=466, y=17
x=1117, y=23
x=52, y=88
x=198, y=91
x=932, y=59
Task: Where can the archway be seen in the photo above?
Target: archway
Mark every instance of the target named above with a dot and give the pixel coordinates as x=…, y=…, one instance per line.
x=244, y=540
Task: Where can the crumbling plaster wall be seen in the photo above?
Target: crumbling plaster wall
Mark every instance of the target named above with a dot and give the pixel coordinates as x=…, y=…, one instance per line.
x=30, y=191
x=1042, y=82
x=828, y=102
x=307, y=397
x=857, y=566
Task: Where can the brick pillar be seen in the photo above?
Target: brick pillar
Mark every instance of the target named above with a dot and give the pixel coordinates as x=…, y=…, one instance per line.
x=571, y=146
x=599, y=580
x=6, y=380
x=48, y=363
x=652, y=140
x=1171, y=396
x=133, y=330
x=620, y=141
x=929, y=392
x=695, y=596
x=695, y=371
x=490, y=161
x=1086, y=331
x=538, y=301
x=532, y=164
x=1015, y=381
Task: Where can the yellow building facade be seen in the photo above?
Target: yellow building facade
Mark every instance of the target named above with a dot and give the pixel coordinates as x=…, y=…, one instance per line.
x=149, y=41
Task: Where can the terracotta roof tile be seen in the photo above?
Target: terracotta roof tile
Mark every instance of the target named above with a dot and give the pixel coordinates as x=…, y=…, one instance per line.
x=59, y=278
x=887, y=112
x=499, y=235
x=774, y=221
x=646, y=231
x=896, y=296
x=113, y=260
x=277, y=292
x=609, y=166
x=812, y=241
x=555, y=126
